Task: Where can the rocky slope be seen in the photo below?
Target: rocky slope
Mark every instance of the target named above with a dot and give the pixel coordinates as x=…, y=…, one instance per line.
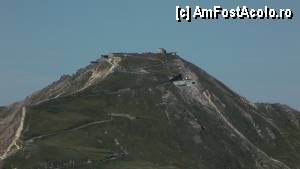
x=146, y=111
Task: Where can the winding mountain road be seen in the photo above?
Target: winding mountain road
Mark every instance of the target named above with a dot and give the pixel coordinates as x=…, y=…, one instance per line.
x=67, y=130
x=16, y=138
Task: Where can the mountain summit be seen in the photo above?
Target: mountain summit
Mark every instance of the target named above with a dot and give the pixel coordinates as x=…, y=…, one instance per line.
x=146, y=111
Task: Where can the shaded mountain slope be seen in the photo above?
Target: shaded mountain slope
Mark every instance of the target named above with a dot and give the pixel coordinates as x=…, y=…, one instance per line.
x=124, y=112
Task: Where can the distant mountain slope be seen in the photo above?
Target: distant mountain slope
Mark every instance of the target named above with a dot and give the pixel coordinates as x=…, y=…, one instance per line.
x=149, y=111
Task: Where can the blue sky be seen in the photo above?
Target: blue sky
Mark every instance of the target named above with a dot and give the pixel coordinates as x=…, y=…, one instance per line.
x=41, y=40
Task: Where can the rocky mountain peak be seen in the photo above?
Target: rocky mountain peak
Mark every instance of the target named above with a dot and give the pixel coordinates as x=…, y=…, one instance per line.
x=148, y=110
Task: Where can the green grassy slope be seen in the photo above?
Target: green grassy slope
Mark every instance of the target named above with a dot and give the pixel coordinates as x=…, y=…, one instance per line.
x=140, y=120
